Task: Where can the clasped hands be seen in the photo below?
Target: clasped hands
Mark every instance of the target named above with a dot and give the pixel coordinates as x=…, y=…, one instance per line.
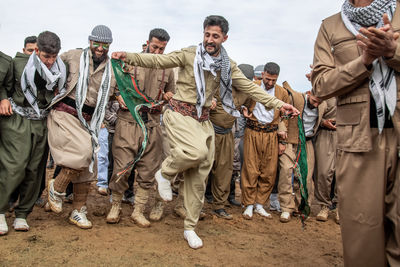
x=378, y=42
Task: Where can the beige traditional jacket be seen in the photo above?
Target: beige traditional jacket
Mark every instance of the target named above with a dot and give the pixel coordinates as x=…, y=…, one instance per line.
x=72, y=59
x=186, y=86
x=339, y=71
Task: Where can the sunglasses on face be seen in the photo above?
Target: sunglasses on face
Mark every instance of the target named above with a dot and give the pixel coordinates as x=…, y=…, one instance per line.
x=104, y=46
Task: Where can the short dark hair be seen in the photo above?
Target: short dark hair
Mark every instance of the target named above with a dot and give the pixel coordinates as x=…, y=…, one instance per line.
x=272, y=68
x=49, y=42
x=30, y=40
x=215, y=20
x=160, y=34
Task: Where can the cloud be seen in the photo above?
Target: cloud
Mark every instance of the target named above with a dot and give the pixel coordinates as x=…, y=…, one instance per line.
x=260, y=31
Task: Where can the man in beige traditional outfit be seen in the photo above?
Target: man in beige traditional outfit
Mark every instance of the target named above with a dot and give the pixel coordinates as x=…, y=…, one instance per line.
x=325, y=154
x=264, y=130
x=75, y=120
x=361, y=67
x=288, y=159
x=158, y=84
x=203, y=70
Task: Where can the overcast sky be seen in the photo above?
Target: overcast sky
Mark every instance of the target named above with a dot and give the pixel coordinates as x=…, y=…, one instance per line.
x=282, y=31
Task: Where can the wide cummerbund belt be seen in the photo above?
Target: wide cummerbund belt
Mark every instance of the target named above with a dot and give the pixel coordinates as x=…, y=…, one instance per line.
x=71, y=102
x=221, y=130
x=259, y=127
x=62, y=106
x=187, y=109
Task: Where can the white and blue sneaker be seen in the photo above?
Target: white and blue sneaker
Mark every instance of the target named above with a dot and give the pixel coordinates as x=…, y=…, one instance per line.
x=79, y=218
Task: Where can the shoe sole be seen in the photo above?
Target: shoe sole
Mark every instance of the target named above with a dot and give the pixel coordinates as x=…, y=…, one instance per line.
x=322, y=219
x=284, y=220
x=3, y=233
x=52, y=208
x=223, y=217
x=80, y=226
x=139, y=224
x=266, y=217
x=21, y=229
x=109, y=221
x=247, y=217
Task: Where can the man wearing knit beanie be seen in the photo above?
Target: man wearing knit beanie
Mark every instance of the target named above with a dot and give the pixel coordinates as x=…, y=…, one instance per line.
x=75, y=120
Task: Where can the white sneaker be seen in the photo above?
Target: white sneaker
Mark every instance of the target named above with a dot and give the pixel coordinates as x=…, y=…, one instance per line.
x=164, y=187
x=54, y=198
x=79, y=218
x=285, y=217
x=262, y=212
x=248, y=212
x=193, y=239
x=20, y=224
x=3, y=225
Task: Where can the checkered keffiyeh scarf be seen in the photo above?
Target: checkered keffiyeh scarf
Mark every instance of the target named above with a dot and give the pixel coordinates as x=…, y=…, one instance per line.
x=382, y=83
x=204, y=62
x=81, y=91
x=55, y=76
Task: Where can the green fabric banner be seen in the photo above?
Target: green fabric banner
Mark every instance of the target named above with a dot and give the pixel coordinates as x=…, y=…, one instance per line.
x=301, y=171
x=134, y=99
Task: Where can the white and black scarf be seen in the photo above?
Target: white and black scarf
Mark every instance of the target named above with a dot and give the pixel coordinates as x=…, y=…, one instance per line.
x=204, y=62
x=382, y=84
x=55, y=76
x=102, y=97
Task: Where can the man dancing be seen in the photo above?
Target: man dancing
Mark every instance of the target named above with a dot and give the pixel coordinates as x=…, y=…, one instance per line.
x=74, y=123
x=203, y=70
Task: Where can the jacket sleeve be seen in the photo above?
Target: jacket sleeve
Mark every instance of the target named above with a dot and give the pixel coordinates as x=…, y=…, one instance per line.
x=284, y=124
x=240, y=82
x=171, y=83
x=153, y=61
x=330, y=80
x=6, y=85
x=394, y=62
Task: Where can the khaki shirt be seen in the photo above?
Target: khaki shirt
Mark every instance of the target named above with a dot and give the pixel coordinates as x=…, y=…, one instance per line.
x=72, y=59
x=339, y=71
x=6, y=75
x=186, y=86
x=154, y=83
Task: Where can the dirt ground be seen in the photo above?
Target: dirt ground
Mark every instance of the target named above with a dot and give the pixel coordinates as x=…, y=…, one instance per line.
x=52, y=241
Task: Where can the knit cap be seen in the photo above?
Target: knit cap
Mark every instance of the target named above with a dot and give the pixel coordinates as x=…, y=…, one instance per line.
x=247, y=70
x=102, y=34
x=258, y=71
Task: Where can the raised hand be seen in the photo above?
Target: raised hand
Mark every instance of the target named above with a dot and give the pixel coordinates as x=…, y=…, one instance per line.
x=119, y=55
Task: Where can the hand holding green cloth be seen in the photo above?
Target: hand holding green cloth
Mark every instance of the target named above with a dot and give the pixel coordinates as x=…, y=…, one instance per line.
x=301, y=171
x=134, y=99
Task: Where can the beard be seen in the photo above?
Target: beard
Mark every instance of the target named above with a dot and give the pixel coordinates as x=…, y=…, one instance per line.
x=215, y=51
x=98, y=60
x=310, y=106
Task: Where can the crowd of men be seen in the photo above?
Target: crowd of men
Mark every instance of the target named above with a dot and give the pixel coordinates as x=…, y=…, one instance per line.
x=220, y=122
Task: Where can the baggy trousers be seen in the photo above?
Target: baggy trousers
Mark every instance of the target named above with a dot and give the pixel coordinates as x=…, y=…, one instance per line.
x=259, y=166
x=192, y=153
x=23, y=155
x=127, y=141
x=325, y=154
x=221, y=172
x=285, y=184
x=368, y=186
